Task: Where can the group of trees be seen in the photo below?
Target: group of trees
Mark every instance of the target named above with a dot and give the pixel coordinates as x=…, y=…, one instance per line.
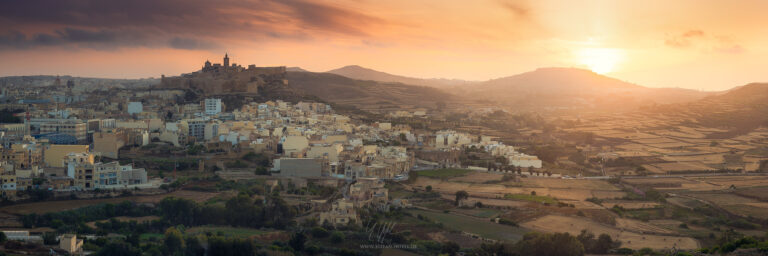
x=517, y=169
x=557, y=244
x=461, y=195
x=174, y=242
x=72, y=220
x=597, y=245
x=241, y=211
x=730, y=240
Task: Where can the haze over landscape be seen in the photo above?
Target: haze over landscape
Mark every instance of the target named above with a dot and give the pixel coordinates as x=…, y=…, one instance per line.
x=358, y=127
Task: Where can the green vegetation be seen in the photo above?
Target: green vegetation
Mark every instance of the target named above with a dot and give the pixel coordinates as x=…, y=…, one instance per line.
x=481, y=227
x=600, y=245
x=225, y=231
x=729, y=241
x=74, y=220
x=461, y=195
x=443, y=173
x=533, y=198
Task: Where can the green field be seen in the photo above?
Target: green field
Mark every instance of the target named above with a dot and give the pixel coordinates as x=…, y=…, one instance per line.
x=444, y=173
x=147, y=236
x=479, y=212
x=532, y=198
x=226, y=231
x=482, y=227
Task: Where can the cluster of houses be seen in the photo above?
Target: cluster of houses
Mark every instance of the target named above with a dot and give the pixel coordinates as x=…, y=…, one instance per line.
x=37, y=164
x=449, y=139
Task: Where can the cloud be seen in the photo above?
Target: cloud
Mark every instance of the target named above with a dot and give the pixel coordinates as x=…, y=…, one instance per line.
x=97, y=39
x=516, y=8
x=699, y=40
x=684, y=39
x=190, y=43
x=181, y=24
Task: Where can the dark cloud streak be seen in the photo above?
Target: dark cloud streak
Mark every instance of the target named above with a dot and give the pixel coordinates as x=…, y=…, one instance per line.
x=181, y=24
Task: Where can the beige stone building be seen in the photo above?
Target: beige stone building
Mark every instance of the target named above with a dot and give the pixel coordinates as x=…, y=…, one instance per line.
x=108, y=143
x=342, y=213
x=70, y=243
x=55, y=155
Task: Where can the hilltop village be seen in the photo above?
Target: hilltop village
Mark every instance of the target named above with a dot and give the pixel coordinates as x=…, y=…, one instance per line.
x=240, y=159
x=62, y=141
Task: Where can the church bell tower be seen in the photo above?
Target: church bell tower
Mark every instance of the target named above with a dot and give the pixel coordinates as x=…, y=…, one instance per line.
x=226, y=60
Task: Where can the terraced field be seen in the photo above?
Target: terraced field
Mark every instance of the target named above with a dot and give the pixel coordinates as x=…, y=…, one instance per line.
x=629, y=236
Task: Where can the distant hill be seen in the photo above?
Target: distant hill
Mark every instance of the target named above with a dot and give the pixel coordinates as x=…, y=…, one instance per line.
x=739, y=110
x=296, y=69
x=80, y=82
x=571, y=88
x=361, y=73
x=367, y=95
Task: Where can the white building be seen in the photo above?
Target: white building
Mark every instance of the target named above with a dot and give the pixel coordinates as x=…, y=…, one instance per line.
x=451, y=139
x=212, y=106
x=523, y=160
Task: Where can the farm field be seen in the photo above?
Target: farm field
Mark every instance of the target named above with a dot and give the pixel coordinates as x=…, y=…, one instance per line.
x=738, y=205
x=568, y=183
x=490, y=201
x=532, y=198
x=700, y=183
x=444, y=173
x=565, y=189
x=63, y=205
x=629, y=238
x=479, y=226
x=478, y=177
x=759, y=193
x=630, y=204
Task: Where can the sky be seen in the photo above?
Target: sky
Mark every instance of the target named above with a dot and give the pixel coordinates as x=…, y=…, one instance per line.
x=696, y=44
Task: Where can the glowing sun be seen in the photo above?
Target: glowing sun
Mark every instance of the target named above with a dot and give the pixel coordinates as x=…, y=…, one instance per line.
x=600, y=60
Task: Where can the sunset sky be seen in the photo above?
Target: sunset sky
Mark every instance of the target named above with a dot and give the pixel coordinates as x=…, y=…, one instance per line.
x=697, y=44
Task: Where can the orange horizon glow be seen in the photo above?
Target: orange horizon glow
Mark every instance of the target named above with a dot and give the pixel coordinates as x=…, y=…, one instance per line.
x=705, y=45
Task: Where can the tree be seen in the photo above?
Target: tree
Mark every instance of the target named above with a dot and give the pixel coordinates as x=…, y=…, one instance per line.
x=134, y=239
x=461, y=195
x=194, y=247
x=49, y=238
x=557, y=244
x=318, y=232
x=173, y=242
x=450, y=248
x=278, y=212
x=224, y=246
x=337, y=237
x=297, y=241
x=3, y=238
x=118, y=249
x=603, y=244
x=429, y=188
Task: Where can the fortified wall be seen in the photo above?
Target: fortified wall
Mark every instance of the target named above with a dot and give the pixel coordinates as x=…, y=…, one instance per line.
x=226, y=79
